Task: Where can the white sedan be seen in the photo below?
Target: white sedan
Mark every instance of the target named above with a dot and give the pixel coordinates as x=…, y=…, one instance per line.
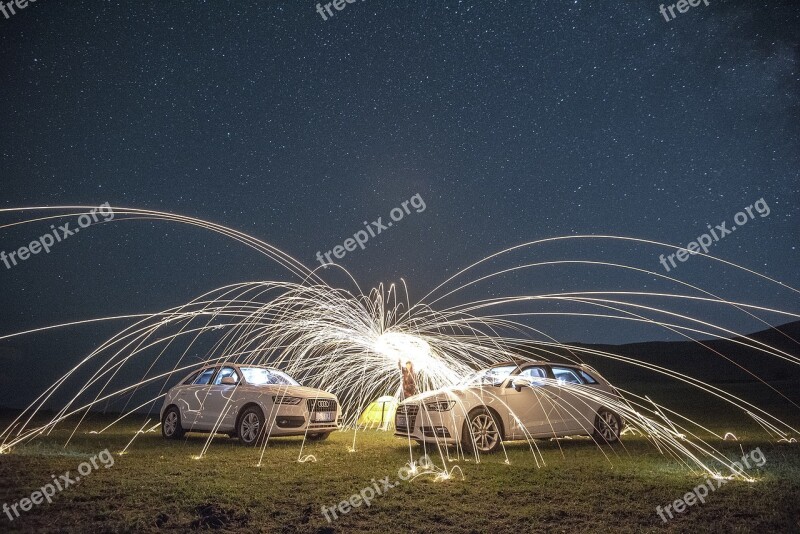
x=514, y=401
x=252, y=402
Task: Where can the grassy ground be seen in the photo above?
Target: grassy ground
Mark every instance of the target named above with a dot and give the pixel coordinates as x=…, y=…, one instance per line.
x=159, y=486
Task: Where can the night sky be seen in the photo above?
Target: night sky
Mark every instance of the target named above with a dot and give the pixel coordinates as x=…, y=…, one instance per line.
x=514, y=121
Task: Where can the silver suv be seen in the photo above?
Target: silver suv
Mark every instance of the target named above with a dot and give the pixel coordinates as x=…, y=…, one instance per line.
x=252, y=402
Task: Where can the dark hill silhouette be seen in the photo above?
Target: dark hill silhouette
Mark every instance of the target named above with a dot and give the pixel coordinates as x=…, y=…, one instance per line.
x=698, y=359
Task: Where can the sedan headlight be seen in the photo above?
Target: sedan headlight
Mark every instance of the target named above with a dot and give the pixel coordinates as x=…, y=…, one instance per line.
x=285, y=399
x=440, y=406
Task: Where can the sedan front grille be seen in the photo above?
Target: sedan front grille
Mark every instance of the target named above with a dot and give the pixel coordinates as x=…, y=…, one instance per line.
x=409, y=412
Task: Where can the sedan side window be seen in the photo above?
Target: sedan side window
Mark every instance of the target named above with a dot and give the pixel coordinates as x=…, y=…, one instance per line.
x=588, y=378
x=566, y=376
x=224, y=373
x=537, y=375
x=205, y=377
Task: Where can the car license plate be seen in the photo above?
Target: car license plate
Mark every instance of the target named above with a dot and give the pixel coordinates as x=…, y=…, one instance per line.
x=401, y=420
x=324, y=417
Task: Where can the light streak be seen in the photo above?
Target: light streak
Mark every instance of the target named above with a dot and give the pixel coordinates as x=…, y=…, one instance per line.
x=349, y=343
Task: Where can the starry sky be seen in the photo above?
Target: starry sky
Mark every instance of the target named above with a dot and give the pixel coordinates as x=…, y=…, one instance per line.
x=513, y=120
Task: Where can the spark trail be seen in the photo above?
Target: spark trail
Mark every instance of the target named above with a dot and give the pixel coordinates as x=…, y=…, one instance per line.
x=348, y=342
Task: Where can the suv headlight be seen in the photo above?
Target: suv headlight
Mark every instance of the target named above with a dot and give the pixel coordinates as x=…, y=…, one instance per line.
x=284, y=399
x=440, y=406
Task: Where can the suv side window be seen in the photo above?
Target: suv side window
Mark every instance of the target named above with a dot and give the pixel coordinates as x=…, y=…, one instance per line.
x=565, y=375
x=205, y=377
x=226, y=372
x=191, y=378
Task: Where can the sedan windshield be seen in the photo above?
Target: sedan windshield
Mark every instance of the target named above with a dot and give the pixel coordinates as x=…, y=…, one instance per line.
x=258, y=376
x=494, y=376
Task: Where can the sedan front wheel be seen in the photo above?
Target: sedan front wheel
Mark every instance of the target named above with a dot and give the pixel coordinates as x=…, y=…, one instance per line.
x=481, y=432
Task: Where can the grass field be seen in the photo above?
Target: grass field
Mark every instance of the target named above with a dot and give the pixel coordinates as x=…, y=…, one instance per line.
x=159, y=486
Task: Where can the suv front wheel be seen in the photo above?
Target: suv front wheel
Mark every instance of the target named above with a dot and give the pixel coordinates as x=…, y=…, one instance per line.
x=251, y=429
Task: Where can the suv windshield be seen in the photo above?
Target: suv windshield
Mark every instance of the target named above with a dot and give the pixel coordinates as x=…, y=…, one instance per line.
x=494, y=376
x=258, y=376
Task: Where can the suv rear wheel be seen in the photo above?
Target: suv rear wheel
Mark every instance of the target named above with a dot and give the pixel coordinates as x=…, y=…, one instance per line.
x=171, y=425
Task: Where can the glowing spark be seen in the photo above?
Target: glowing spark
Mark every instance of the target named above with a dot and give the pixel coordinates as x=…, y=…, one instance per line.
x=447, y=475
x=349, y=343
x=140, y=431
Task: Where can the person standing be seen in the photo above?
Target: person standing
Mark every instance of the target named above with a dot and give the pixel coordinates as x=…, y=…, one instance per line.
x=409, y=380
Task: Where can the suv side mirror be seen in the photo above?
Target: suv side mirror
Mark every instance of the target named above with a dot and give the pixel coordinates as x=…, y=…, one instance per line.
x=228, y=381
x=520, y=382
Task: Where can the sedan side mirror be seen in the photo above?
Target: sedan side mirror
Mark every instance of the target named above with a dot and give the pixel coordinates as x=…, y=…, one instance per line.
x=520, y=383
x=228, y=381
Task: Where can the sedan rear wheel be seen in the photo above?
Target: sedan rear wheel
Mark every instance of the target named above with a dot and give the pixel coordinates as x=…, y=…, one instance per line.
x=607, y=426
x=251, y=426
x=481, y=432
